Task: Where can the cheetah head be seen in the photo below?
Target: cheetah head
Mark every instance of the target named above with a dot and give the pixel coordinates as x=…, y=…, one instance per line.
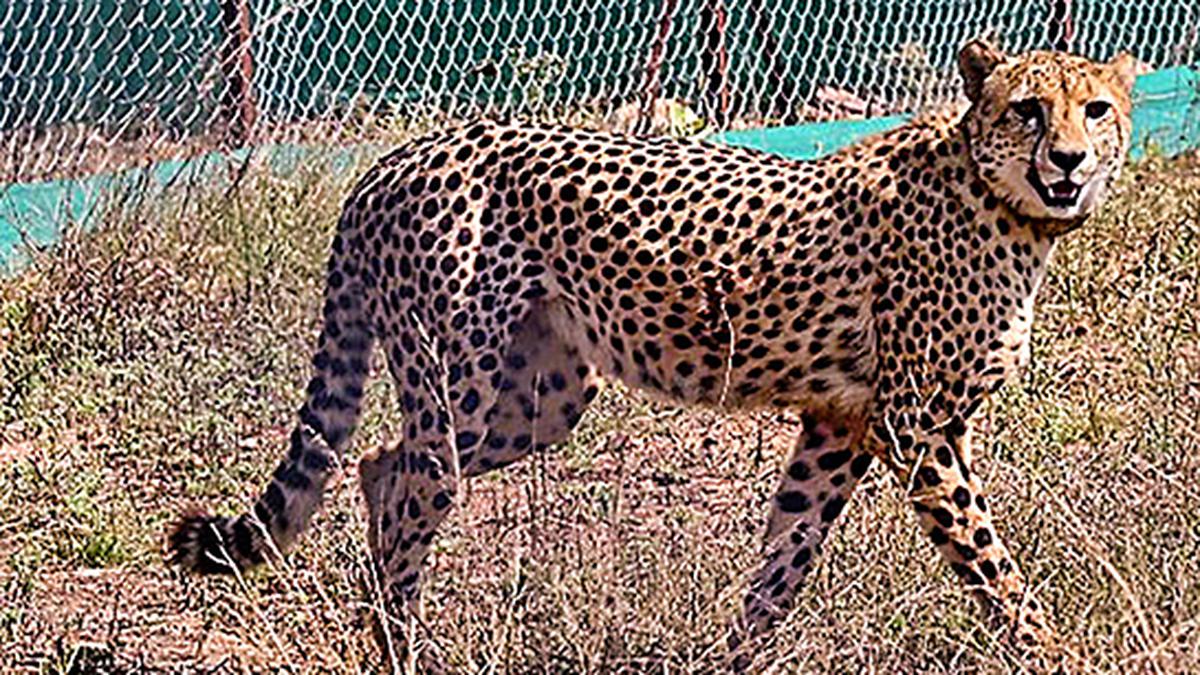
x=1048, y=131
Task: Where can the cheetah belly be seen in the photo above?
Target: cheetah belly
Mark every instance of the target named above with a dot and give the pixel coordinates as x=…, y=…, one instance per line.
x=708, y=348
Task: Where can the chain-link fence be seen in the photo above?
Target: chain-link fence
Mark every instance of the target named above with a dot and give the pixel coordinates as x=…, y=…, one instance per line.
x=94, y=85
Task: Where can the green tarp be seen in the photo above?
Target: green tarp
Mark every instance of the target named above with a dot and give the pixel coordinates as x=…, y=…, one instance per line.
x=1166, y=119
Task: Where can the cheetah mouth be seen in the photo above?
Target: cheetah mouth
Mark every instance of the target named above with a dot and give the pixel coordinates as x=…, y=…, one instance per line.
x=1059, y=194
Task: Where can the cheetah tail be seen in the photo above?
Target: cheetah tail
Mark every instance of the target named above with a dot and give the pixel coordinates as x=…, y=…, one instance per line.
x=219, y=544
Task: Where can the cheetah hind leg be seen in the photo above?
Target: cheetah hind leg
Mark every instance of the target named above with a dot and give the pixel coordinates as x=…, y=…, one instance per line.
x=545, y=387
x=542, y=388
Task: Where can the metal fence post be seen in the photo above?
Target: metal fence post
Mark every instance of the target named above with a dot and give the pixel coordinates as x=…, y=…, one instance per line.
x=714, y=61
x=237, y=66
x=653, y=86
x=1061, y=32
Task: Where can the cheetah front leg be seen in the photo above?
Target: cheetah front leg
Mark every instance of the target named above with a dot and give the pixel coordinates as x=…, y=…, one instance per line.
x=820, y=477
x=934, y=469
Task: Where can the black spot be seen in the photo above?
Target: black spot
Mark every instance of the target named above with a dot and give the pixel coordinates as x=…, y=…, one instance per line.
x=967, y=574
x=832, y=460
x=930, y=476
x=944, y=457
x=441, y=500
x=988, y=568
x=962, y=497
x=793, y=502
x=799, y=471
x=470, y=401
x=965, y=552
x=943, y=517
x=832, y=508
x=859, y=466
x=983, y=538
x=291, y=477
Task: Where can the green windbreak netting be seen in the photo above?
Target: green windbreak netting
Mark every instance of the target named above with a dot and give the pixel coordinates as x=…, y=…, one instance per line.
x=1166, y=119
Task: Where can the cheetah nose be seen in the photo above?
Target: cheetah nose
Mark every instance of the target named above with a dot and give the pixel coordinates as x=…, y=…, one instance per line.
x=1067, y=160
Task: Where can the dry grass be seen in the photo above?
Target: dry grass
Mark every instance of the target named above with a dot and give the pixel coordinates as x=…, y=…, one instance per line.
x=155, y=364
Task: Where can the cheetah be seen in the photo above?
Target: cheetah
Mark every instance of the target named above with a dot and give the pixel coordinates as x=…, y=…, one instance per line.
x=882, y=293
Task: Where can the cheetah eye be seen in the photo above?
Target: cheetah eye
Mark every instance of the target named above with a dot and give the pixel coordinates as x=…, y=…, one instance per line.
x=1029, y=110
x=1097, y=109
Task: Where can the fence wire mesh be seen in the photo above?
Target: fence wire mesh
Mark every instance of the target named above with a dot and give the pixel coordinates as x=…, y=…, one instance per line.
x=90, y=86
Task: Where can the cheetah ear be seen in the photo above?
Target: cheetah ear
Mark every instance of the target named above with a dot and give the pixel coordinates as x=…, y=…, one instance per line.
x=976, y=60
x=1124, y=68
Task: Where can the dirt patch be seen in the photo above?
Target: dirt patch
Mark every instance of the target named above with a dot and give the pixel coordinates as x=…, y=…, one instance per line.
x=12, y=452
x=138, y=619
x=152, y=619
